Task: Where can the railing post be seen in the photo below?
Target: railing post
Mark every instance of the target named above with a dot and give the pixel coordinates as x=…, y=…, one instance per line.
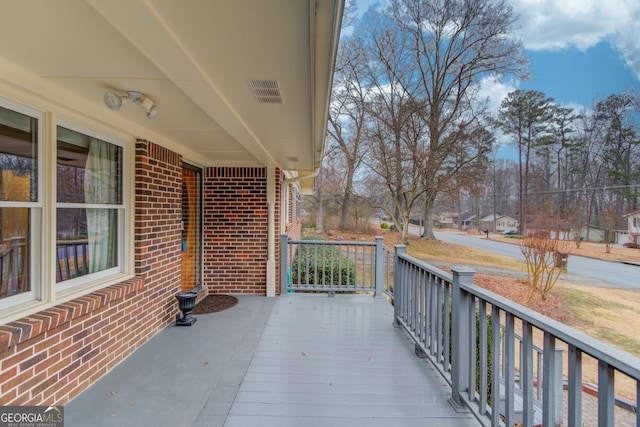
x=379, y=267
x=460, y=336
x=397, y=279
x=284, y=264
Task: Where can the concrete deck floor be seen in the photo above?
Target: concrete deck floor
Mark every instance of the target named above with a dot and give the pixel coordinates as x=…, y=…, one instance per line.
x=299, y=360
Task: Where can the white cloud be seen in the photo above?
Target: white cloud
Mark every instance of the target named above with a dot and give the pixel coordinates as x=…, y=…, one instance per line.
x=559, y=24
x=494, y=91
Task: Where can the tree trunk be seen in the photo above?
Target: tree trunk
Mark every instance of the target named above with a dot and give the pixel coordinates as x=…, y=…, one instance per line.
x=346, y=200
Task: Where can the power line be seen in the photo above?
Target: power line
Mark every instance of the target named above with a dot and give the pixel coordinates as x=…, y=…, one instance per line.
x=568, y=190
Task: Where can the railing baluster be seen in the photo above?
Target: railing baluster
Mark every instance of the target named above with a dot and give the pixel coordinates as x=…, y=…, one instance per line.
x=430, y=308
x=575, y=387
x=425, y=308
x=471, y=360
x=548, y=379
x=526, y=373
x=606, y=395
x=509, y=369
x=637, y=403
x=539, y=377
x=495, y=366
x=482, y=356
x=447, y=331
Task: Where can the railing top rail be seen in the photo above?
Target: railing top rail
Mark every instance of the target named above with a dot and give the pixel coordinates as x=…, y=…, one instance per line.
x=619, y=359
x=441, y=274
x=331, y=242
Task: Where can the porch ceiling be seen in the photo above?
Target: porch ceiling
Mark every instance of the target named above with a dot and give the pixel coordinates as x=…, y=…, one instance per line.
x=195, y=59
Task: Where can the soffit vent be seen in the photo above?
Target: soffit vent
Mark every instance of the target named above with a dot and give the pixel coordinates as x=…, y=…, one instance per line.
x=266, y=91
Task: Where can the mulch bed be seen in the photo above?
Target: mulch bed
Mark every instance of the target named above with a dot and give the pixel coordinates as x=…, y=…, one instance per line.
x=555, y=306
x=214, y=304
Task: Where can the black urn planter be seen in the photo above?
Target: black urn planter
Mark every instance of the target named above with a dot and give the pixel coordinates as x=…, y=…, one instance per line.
x=186, y=303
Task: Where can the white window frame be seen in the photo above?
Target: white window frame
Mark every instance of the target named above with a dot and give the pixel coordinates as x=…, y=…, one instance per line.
x=121, y=216
x=45, y=292
x=35, y=212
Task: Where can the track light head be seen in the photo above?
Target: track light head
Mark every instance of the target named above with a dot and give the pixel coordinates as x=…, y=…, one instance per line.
x=112, y=100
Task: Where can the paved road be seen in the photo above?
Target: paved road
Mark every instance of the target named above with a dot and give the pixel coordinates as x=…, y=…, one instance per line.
x=580, y=270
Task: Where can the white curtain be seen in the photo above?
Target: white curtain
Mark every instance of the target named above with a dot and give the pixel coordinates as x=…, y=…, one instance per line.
x=100, y=187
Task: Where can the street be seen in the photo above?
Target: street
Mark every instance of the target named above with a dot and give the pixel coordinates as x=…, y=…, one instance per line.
x=582, y=270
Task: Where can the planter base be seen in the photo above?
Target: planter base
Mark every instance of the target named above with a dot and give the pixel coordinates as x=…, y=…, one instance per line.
x=187, y=320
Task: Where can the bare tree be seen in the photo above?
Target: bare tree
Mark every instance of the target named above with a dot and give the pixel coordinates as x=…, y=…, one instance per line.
x=433, y=54
x=347, y=118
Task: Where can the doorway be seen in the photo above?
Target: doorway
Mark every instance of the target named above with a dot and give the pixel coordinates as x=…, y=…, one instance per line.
x=191, y=227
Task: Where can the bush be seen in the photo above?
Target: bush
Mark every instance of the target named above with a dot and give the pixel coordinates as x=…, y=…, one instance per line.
x=489, y=350
x=322, y=264
x=384, y=225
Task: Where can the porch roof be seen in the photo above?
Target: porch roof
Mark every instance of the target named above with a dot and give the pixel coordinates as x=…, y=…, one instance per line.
x=287, y=361
x=196, y=60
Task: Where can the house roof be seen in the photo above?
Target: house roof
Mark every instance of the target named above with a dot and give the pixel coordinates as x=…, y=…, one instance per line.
x=466, y=216
x=196, y=59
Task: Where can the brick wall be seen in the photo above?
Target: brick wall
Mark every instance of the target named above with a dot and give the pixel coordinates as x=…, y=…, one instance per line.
x=51, y=356
x=235, y=223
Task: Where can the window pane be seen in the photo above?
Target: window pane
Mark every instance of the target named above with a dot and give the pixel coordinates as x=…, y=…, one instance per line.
x=86, y=241
x=18, y=157
x=14, y=251
x=89, y=170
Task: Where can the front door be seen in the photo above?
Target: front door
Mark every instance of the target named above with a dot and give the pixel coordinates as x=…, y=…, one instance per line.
x=191, y=227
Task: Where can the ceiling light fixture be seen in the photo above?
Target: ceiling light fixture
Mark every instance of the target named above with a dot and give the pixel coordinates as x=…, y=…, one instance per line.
x=115, y=101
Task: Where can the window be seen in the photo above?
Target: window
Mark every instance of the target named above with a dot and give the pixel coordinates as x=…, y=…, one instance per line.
x=87, y=202
x=20, y=130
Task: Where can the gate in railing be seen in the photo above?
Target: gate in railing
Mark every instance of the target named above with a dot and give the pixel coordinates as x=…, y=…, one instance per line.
x=335, y=266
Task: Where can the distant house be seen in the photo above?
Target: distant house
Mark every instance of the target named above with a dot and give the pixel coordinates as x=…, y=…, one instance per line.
x=444, y=219
x=498, y=223
x=633, y=226
x=465, y=221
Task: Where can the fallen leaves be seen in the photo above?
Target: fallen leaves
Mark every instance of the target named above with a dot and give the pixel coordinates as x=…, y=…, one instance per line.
x=112, y=393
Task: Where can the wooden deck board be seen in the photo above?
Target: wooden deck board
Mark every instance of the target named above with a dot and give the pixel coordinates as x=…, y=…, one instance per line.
x=339, y=361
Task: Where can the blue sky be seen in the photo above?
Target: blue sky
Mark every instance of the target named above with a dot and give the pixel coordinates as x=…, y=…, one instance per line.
x=581, y=51
x=571, y=76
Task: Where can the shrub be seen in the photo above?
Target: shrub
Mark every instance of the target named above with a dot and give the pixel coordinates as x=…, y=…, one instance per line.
x=384, y=225
x=489, y=350
x=322, y=264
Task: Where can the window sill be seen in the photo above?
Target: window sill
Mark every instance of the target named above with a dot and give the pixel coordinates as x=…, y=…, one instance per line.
x=47, y=319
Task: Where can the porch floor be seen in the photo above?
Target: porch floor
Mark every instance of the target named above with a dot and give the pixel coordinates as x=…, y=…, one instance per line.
x=298, y=360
